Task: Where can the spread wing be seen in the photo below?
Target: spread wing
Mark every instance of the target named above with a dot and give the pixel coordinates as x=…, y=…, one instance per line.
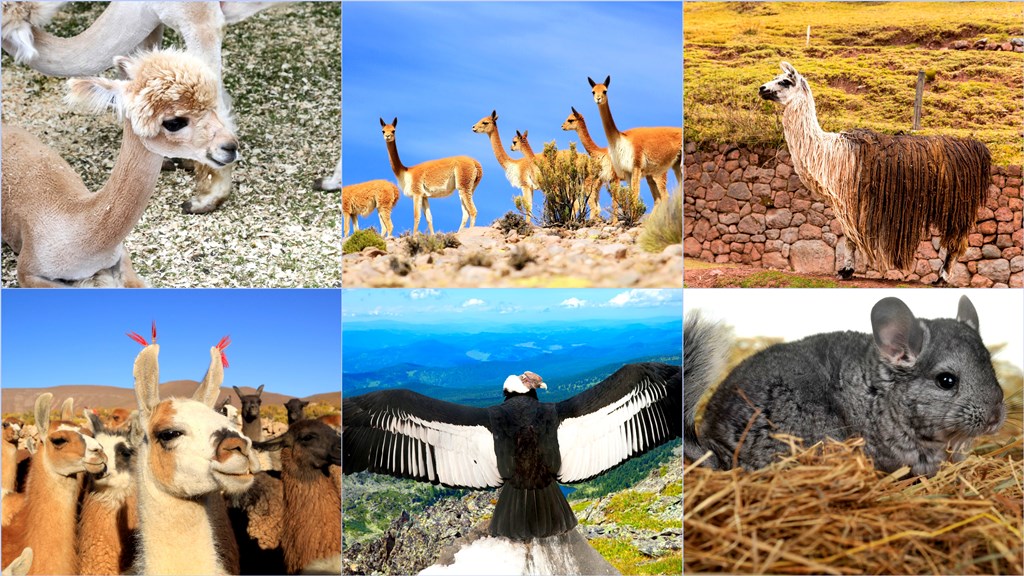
x=635, y=409
x=409, y=435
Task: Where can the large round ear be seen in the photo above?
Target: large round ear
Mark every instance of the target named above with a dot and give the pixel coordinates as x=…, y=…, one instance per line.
x=147, y=378
x=209, y=388
x=966, y=313
x=898, y=335
x=42, y=412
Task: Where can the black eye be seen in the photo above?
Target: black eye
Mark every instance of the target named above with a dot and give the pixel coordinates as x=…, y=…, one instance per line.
x=175, y=124
x=59, y=442
x=166, y=436
x=946, y=380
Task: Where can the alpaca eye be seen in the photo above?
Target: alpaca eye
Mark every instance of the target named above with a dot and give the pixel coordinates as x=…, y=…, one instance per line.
x=946, y=380
x=175, y=124
x=168, y=435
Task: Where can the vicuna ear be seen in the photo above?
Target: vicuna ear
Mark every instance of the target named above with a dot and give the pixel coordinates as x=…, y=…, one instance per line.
x=608, y=81
x=591, y=80
x=494, y=114
x=966, y=313
x=898, y=335
x=67, y=409
x=394, y=123
x=96, y=95
x=42, y=411
x=209, y=388
x=382, y=123
x=147, y=378
x=574, y=112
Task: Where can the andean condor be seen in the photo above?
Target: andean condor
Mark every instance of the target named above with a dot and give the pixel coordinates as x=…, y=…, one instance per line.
x=525, y=445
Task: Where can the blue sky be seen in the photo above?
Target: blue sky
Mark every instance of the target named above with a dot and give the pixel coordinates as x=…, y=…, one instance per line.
x=288, y=340
x=492, y=307
x=440, y=67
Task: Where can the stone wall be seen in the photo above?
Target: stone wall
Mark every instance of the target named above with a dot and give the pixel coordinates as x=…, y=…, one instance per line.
x=748, y=206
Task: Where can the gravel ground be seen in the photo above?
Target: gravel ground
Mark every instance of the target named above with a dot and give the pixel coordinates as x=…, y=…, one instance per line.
x=599, y=256
x=282, y=69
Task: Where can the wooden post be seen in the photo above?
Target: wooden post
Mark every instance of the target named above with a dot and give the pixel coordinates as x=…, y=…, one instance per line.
x=808, y=36
x=917, y=101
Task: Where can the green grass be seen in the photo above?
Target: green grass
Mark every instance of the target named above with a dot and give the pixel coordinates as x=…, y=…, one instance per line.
x=862, y=66
x=632, y=508
x=628, y=560
x=775, y=279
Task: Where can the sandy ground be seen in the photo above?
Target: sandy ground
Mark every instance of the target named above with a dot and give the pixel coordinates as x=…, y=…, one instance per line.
x=282, y=69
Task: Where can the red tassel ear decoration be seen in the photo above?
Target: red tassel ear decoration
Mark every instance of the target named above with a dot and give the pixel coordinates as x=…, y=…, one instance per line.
x=224, y=343
x=137, y=338
x=154, y=331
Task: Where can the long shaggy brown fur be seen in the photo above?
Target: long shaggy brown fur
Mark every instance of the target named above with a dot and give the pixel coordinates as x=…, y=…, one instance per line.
x=907, y=185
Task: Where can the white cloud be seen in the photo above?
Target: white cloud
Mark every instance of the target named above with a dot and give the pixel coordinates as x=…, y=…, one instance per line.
x=425, y=293
x=573, y=303
x=473, y=302
x=640, y=298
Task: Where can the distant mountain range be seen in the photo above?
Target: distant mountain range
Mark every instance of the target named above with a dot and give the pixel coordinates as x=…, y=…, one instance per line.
x=94, y=396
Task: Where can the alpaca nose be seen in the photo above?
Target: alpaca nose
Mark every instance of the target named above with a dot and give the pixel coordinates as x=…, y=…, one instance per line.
x=230, y=150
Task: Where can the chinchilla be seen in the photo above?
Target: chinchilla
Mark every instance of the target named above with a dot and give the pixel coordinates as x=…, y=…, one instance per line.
x=914, y=390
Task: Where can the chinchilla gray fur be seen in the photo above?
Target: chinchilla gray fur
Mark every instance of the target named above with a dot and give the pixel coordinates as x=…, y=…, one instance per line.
x=706, y=348
x=914, y=389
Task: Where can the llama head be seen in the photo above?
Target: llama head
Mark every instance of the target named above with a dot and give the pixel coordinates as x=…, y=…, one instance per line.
x=786, y=87
x=388, y=130
x=172, y=101
x=309, y=448
x=600, y=91
x=189, y=449
x=487, y=124
x=295, y=409
x=119, y=418
x=250, y=403
x=66, y=448
x=119, y=451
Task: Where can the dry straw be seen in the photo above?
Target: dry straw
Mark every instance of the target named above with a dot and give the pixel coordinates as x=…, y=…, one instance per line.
x=827, y=510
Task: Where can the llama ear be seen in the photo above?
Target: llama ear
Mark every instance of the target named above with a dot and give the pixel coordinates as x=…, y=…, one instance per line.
x=147, y=378
x=899, y=337
x=136, y=435
x=67, y=409
x=259, y=390
x=209, y=388
x=270, y=445
x=966, y=313
x=788, y=68
x=237, y=391
x=608, y=81
x=96, y=95
x=42, y=411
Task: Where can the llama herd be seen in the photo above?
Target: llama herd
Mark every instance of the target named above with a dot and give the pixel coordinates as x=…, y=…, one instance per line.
x=631, y=155
x=177, y=487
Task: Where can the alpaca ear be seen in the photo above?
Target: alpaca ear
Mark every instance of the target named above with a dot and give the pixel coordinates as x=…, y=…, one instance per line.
x=96, y=95
x=42, y=411
x=966, y=313
x=209, y=388
x=125, y=66
x=147, y=378
x=788, y=68
x=67, y=409
x=898, y=335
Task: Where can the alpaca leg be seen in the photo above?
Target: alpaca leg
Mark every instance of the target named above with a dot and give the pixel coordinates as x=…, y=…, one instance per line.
x=212, y=189
x=849, y=258
x=594, y=200
x=426, y=214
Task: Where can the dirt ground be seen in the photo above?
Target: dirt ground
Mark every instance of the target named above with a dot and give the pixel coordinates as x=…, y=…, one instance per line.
x=697, y=274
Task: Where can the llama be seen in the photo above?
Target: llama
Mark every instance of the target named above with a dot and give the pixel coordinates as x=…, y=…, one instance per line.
x=591, y=185
x=520, y=173
x=119, y=418
x=648, y=152
x=46, y=523
x=361, y=199
x=21, y=565
x=886, y=191
x=122, y=29
x=11, y=500
x=66, y=235
x=434, y=179
x=227, y=409
x=311, y=526
x=108, y=518
x=189, y=455
x=252, y=424
x=296, y=408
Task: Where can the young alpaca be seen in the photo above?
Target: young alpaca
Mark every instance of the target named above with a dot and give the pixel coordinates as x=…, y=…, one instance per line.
x=66, y=235
x=252, y=424
x=361, y=199
x=648, y=152
x=46, y=523
x=592, y=186
x=190, y=455
x=311, y=527
x=108, y=518
x=887, y=191
x=126, y=28
x=521, y=173
x=295, y=409
x=434, y=179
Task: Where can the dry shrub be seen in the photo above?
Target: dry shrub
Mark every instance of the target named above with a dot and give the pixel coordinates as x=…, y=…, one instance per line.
x=664, y=227
x=629, y=207
x=363, y=239
x=426, y=243
x=477, y=258
x=519, y=257
x=513, y=221
x=826, y=510
x=567, y=181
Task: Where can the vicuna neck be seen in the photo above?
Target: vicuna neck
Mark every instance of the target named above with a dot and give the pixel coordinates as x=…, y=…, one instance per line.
x=175, y=534
x=610, y=130
x=588, y=143
x=118, y=30
x=47, y=522
x=499, y=151
x=396, y=163
x=525, y=148
x=116, y=208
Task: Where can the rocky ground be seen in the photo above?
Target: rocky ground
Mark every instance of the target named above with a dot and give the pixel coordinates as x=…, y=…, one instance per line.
x=598, y=256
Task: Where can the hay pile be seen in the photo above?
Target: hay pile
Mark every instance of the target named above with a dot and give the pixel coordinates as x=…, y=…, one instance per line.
x=826, y=510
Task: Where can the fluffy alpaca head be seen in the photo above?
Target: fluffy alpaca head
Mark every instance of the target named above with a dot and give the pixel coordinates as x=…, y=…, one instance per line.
x=172, y=101
x=786, y=87
x=600, y=91
x=190, y=450
x=250, y=403
x=65, y=448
